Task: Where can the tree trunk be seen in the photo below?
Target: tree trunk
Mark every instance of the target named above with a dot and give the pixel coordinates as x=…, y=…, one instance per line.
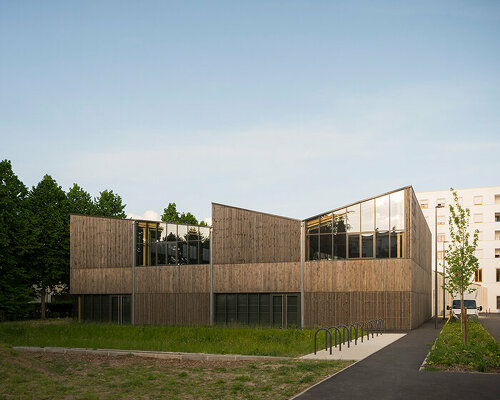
x=462, y=312
x=42, y=301
x=465, y=330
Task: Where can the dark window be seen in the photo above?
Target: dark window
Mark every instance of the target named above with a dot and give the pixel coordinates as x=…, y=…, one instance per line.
x=382, y=245
x=312, y=247
x=96, y=308
x=367, y=245
x=264, y=309
x=220, y=308
x=277, y=311
x=115, y=309
x=353, y=246
x=339, y=246
x=498, y=302
x=253, y=309
x=125, y=310
x=139, y=255
x=205, y=252
x=312, y=226
x=397, y=244
x=105, y=308
x=171, y=253
x=326, y=224
x=182, y=253
x=242, y=308
x=162, y=254
x=498, y=275
x=292, y=309
x=193, y=252
x=325, y=247
x=478, y=275
x=231, y=308
x=87, y=307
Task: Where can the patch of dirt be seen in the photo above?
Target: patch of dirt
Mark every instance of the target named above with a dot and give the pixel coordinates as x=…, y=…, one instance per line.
x=459, y=368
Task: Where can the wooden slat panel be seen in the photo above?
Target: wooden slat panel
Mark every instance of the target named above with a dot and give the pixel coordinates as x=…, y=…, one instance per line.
x=172, y=279
x=101, y=280
x=244, y=236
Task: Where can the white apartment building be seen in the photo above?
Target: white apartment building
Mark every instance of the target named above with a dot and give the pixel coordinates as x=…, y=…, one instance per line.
x=484, y=205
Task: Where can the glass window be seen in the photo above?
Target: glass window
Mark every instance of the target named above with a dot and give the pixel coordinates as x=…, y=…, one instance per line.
x=205, y=251
x=325, y=247
x=354, y=218
x=162, y=231
x=312, y=226
x=397, y=201
x=339, y=246
x=204, y=233
x=498, y=275
x=498, y=302
x=367, y=245
x=326, y=223
x=292, y=311
x=125, y=309
x=172, y=232
x=441, y=202
x=382, y=245
x=253, y=309
x=397, y=244
x=231, y=309
x=478, y=275
x=277, y=311
x=340, y=221
x=382, y=213
x=312, y=251
x=139, y=255
x=182, y=232
x=193, y=233
x=441, y=220
x=182, y=253
x=264, y=309
x=353, y=246
x=424, y=204
x=172, y=253
x=242, y=308
x=161, y=253
x=220, y=308
x=193, y=252
x=367, y=216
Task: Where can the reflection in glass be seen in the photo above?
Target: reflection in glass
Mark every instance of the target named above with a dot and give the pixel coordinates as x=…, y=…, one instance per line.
x=205, y=252
x=339, y=246
x=353, y=246
x=353, y=218
x=312, y=226
x=339, y=221
x=325, y=247
x=171, y=232
x=161, y=253
x=312, y=251
x=171, y=253
x=193, y=233
x=382, y=245
x=397, y=244
x=162, y=231
x=182, y=232
x=367, y=245
x=139, y=255
x=397, y=210
x=367, y=216
x=382, y=213
x=152, y=254
x=182, y=253
x=204, y=233
x=193, y=252
x=325, y=223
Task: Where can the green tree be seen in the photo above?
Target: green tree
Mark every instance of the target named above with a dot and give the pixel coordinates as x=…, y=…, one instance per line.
x=47, y=208
x=109, y=204
x=15, y=290
x=80, y=201
x=170, y=214
x=460, y=258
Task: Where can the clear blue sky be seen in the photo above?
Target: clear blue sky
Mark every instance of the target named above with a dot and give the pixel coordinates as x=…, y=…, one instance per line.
x=288, y=107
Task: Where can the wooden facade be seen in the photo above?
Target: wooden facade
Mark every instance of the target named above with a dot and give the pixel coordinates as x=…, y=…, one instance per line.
x=255, y=252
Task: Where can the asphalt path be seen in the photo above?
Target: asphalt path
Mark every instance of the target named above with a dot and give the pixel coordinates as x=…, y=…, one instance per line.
x=393, y=373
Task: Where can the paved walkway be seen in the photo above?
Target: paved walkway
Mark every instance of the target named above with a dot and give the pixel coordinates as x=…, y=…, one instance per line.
x=393, y=373
x=492, y=325
x=354, y=352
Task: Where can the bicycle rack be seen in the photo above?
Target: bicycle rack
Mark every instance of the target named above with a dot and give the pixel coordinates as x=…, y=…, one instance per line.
x=340, y=336
x=344, y=328
x=327, y=332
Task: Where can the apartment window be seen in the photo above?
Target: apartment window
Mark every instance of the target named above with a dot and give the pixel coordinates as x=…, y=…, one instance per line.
x=497, y=235
x=424, y=204
x=478, y=218
x=498, y=274
x=441, y=202
x=498, y=302
x=478, y=200
x=497, y=199
x=478, y=275
x=441, y=220
x=497, y=253
x=441, y=237
x=440, y=255
x=497, y=217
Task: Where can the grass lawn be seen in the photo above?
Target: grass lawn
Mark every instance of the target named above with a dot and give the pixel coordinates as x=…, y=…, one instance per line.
x=482, y=352
x=196, y=339
x=25, y=375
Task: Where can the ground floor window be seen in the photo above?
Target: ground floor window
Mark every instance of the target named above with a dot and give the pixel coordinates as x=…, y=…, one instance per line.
x=498, y=302
x=103, y=308
x=281, y=310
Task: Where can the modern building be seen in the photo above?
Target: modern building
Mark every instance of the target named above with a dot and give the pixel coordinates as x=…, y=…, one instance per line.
x=484, y=205
x=370, y=259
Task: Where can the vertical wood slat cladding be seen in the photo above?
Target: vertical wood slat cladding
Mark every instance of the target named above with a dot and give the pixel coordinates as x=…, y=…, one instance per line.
x=101, y=280
x=257, y=277
x=97, y=242
x=389, y=275
x=172, y=279
x=335, y=308
x=244, y=236
x=172, y=308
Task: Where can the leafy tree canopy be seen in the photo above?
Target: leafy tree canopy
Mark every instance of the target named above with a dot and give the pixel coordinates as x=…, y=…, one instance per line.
x=109, y=204
x=15, y=290
x=170, y=214
x=80, y=201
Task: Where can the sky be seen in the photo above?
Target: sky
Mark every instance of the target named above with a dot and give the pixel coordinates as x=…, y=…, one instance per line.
x=286, y=107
